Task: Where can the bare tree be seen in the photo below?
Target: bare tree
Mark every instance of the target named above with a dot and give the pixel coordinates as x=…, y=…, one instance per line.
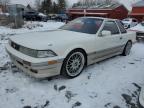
x=92, y=2
x=95, y=2
x=38, y=4
x=4, y=2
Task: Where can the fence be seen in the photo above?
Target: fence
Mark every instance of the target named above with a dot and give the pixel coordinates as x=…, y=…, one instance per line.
x=3, y=19
x=14, y=19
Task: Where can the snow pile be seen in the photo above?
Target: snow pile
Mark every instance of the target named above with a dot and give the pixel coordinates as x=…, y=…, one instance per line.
x=32, y=27
x=5, y=32
x=43, y=15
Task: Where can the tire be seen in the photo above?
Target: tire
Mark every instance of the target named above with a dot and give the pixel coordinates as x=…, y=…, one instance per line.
x=127, y=48
x=73, y=64
x=139, y=105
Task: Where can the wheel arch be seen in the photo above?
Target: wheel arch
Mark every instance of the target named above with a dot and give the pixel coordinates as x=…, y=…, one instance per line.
x=129, y=41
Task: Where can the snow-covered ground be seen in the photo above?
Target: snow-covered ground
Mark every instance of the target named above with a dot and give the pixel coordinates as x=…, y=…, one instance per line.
x=113, y=83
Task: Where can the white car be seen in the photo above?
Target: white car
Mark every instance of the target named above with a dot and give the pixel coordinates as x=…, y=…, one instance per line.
x=70, y=48
x=129, y=22
x=141, y=97
x=139, y=29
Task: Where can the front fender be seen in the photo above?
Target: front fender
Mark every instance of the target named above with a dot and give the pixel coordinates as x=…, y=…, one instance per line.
x=73, y=48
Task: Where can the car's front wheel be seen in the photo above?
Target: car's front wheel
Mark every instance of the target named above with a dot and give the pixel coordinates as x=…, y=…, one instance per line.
x=127, y=48
x=73, y=64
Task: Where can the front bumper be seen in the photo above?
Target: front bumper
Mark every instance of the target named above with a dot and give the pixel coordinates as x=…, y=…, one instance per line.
x=140, y=35
x=141, y=97
x=36, y=67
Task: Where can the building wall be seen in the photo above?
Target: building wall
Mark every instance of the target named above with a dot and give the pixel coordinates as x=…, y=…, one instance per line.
x=138, y=10
x=140, y=18
x=138, y=13
x=118, y=13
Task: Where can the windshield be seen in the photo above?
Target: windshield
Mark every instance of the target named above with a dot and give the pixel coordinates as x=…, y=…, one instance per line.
x=84, y=25
x=127, y=19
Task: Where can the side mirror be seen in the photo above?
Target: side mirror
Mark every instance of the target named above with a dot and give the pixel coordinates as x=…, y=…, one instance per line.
x=105, y=33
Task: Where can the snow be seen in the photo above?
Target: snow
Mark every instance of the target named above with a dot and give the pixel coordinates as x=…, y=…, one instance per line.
x=41, y=14
x=108, y=84
x=32, y=27
x=6, y=14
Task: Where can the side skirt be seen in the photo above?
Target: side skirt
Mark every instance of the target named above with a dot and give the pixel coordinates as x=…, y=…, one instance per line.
x=104, y=54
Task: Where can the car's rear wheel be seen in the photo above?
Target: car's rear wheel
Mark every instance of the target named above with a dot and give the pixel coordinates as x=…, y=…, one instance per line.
x=73, y=64
x=127, y=48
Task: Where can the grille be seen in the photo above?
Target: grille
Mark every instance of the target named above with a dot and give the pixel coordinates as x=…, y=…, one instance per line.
x=24, y=50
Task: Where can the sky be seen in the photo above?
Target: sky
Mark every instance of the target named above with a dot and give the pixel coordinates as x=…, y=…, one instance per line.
x=25, y=2
x=127, y=3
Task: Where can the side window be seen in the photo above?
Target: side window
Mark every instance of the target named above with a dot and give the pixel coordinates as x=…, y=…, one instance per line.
x=134, y=20
x=111, y=26
x=121, y=27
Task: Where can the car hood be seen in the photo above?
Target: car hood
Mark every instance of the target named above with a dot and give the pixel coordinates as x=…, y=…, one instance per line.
x=137, y=28
x=48, y=39
x=126, y=22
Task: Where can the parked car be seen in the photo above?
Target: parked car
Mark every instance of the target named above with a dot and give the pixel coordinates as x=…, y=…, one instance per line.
x=62, y=17
x=141, y=97
x=34, y=16
x=44, y=17
x=70, y=48
x=129, y=22
x=53, y=17
x=59, y=17
x=139, y=29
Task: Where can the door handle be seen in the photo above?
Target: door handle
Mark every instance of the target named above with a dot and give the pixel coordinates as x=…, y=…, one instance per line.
x=121, y=38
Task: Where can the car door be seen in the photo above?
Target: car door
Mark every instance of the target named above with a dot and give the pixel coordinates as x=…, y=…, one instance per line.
x=123, y=34
x=109, y=44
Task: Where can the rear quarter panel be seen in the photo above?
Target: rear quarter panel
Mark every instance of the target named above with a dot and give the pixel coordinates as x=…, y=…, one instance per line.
x=130, y=35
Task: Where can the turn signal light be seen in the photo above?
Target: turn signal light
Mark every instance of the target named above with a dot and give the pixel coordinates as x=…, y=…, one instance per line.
x=52, y=62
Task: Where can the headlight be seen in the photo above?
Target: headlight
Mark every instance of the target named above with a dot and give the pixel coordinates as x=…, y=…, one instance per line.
x=48, y=53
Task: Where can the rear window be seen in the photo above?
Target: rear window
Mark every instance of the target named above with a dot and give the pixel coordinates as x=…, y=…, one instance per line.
x=121, y=27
